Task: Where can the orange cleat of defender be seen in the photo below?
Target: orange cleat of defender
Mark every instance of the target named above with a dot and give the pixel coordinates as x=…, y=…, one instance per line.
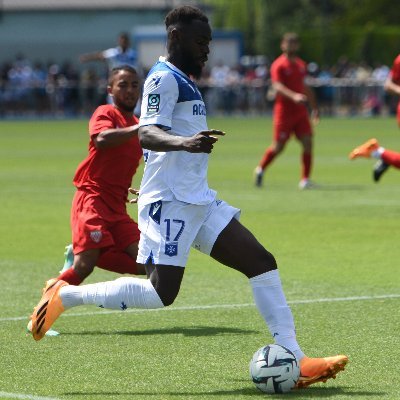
x=48, y=309
x=365, y=149
x=314, y=370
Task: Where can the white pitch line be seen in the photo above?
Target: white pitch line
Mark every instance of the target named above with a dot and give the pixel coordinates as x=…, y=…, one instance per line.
x=215, y=306
x=22, y=396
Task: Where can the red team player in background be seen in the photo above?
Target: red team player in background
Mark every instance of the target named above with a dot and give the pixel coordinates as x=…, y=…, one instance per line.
x=290, y=111
x=103, y=233
x=372, y=148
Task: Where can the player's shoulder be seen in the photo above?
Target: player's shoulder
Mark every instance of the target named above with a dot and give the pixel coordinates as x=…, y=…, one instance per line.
x=278, y=60
x=111, y=52
x=300, y=62
x=104, y=111
x=397, y=60
x=160, y=75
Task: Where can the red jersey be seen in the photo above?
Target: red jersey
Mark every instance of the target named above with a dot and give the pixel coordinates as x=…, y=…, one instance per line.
x=109, y=172
x=290, y=73
x=395, y=71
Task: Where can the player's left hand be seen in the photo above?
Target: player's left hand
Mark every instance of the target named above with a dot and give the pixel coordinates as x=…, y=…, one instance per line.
x=315, y=116
x=134, y=192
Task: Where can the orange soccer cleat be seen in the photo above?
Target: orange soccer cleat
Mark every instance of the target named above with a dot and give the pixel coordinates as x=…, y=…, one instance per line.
x=314, y=370
x=365, y=149
x=48, y=309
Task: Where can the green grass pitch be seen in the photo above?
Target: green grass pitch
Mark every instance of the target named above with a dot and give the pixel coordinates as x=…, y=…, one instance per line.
x=337, y=249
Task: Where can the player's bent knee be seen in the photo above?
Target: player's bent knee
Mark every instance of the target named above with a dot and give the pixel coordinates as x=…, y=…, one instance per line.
x=167, y=299
x=264, y=262
x=270, y=261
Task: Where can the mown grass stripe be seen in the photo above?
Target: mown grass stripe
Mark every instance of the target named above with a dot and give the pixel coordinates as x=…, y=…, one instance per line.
x=218, y=306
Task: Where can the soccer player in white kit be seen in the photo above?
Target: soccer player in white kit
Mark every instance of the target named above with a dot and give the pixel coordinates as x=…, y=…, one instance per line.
x=178, y=210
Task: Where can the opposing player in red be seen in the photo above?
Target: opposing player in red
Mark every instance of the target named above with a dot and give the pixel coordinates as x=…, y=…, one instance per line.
x=290, y=115
x=392, y=86
x=103, y=234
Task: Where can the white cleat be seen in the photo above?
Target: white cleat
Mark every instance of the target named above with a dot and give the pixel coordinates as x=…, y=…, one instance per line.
x=306, y=184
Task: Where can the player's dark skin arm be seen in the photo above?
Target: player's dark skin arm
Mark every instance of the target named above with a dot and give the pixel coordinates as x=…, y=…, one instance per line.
x=115, y=137
x=154, y=138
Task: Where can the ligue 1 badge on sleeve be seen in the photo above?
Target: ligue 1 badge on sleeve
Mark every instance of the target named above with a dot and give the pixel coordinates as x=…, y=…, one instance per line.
x=171, y=249
x=153, y=103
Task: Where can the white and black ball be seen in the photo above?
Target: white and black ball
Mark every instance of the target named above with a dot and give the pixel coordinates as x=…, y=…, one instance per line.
x=274, y=369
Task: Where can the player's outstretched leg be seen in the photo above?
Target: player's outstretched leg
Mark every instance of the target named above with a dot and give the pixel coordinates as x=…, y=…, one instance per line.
x=365, y=149
x=239, y=249
x=48, y=309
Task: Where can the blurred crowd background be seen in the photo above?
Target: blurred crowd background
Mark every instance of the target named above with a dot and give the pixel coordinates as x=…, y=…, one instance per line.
x=349, y=45
x=34, y=88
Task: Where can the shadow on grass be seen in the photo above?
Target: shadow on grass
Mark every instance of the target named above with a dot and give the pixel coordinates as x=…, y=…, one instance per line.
x=312, y=392
x=323, y=187
x=192, y=331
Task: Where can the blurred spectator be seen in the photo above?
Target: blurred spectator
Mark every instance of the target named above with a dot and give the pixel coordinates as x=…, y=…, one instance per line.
x=36, y=88
x=219, y=80
x=122, y=54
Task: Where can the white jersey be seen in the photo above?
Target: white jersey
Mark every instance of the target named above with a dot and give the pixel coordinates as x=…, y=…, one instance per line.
x=116, y=57
x=172, y=101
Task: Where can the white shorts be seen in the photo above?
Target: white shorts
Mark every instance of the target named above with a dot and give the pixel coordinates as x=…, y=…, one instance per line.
x=169, y=228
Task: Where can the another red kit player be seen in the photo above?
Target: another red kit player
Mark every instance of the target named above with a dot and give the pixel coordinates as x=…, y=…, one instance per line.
x=290, y=116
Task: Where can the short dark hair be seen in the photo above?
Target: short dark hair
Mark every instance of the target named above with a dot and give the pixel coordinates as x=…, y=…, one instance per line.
x=115, y=71
x=184, y=15
x=124, y=35
x=290, y=36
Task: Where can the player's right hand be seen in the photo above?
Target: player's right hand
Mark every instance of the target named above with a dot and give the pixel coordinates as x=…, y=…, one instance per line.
x=300, y=98
x=202, y=142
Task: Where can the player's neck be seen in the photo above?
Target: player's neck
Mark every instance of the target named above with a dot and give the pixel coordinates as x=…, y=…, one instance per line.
x=290, y=56
x=125, y=113
x=176, y=61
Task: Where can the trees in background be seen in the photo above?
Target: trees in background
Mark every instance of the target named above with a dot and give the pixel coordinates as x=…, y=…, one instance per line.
x=363, y=30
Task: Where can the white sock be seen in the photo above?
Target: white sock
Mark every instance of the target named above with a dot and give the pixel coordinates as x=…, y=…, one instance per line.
x=120, y=294
x=378, y=152
x=271, y=303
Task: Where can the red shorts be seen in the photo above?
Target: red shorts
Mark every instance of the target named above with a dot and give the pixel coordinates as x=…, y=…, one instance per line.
x=284, y=126
x=94, y=225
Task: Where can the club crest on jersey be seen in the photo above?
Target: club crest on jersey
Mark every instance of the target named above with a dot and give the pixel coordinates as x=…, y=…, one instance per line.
x=96, y=236
x=171, y=249
x=153, y=102
x=199, y=109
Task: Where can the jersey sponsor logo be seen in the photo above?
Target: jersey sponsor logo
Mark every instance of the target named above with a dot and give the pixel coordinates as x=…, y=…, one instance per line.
x=96, y=236
x=199, y=109
x=155, y=211
x=153, y=102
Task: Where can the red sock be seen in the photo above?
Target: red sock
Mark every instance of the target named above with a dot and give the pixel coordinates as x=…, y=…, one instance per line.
x=306, y=163
x=391, y=158
x=71, y=277
x=268, y=156
x=117, y=261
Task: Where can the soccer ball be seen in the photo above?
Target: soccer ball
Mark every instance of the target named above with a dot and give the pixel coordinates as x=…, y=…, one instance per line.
x=274, y=369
